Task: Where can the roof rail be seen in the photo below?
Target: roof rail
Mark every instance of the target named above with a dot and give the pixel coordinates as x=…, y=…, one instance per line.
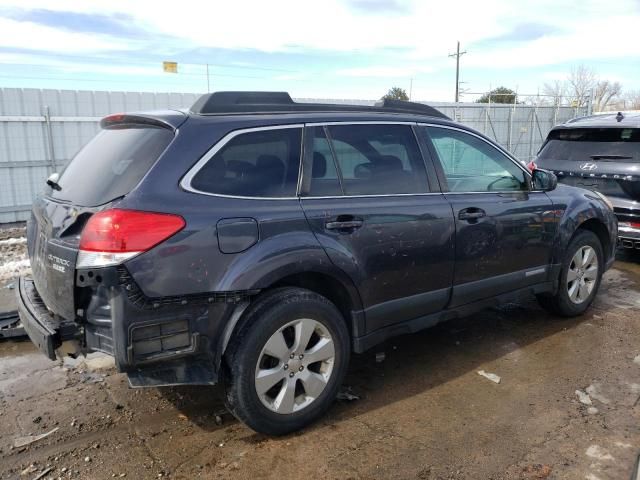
x=281, y=102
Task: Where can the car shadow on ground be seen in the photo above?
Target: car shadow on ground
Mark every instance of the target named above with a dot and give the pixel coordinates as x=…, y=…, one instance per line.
x=412, y=364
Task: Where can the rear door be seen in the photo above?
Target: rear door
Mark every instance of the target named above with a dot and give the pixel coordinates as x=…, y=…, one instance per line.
x=373, y=205
x=106, y=169
x=504, y=231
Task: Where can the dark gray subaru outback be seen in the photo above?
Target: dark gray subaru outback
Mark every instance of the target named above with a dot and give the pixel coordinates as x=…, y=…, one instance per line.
x=258, y=242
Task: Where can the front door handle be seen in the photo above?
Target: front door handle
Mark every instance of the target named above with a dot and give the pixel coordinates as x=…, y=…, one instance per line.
x=471, y=213
x=346, y=222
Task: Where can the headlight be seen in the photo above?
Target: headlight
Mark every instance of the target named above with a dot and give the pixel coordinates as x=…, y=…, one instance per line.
x=604, y=199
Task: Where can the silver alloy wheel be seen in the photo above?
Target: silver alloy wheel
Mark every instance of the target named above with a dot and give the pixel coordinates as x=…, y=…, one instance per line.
x=294, y=366
x=582, y=274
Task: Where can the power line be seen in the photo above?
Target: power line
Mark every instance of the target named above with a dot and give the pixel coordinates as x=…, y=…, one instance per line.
x=157, y=62
x=81, y=79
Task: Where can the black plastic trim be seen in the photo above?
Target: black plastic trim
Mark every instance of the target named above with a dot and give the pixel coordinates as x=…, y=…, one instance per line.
x=361, y=344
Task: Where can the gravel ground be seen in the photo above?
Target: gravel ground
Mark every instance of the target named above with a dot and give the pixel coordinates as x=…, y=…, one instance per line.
x=423, y=412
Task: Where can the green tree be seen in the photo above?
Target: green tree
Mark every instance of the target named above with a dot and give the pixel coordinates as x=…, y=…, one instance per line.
x=396, y=93
x=498, y=95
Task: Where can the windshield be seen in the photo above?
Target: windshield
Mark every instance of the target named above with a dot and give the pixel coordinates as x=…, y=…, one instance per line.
x=111, y=164
x=581, y=144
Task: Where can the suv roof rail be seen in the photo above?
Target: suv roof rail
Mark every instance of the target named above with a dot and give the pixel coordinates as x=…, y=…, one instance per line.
x=281, y=102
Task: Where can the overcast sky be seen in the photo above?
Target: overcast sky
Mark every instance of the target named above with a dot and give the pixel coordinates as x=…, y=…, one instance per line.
x=322, y=49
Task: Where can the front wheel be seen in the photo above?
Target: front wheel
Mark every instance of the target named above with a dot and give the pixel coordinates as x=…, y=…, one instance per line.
x=580, y=276
x=286, y=362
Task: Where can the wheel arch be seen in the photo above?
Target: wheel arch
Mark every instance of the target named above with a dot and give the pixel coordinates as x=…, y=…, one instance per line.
x=336, y=287
x=598, y=227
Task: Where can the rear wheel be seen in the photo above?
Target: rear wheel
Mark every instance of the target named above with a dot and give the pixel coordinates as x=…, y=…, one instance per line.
x=286, y=362
x=580, y=276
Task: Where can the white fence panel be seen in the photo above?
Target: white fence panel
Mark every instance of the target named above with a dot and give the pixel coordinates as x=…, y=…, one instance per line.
x=41, y=130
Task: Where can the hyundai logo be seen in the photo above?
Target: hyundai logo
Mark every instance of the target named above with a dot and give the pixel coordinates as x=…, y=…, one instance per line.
x=588, y=166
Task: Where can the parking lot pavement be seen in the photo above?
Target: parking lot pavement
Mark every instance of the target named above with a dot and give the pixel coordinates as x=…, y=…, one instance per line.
x=423, y=411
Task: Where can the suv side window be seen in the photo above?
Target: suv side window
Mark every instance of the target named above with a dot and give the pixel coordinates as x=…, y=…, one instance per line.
x=370, y=160
x=262, y=163
x=324, y=176
x=472, y=165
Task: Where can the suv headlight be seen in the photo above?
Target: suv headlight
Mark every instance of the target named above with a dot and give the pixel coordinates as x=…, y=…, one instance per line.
x=604, y=199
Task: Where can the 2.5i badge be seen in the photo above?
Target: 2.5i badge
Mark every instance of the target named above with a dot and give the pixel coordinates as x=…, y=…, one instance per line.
x=57, y=263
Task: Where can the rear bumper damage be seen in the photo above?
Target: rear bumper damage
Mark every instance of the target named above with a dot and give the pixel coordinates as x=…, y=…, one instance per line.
x=46, y=331
x=156, y=341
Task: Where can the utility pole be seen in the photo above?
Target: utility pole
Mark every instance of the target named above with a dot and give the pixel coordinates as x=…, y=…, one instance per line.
x=208, y=88
x=410, y=87
x=457, y=55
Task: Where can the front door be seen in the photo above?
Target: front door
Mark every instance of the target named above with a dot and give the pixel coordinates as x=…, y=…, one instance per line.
x=367, y=198
x=504, y=231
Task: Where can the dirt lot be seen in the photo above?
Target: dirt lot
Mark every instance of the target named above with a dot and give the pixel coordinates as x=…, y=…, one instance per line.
x=423, y=412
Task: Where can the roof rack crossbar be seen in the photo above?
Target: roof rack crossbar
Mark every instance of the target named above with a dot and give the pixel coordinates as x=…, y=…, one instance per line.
x=281, y=102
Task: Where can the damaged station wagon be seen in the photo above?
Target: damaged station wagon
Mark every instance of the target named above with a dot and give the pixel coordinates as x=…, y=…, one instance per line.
x=258, y=242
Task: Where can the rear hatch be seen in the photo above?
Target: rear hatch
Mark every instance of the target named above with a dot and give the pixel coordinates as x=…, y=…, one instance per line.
x=106, y=169
x=602, y=159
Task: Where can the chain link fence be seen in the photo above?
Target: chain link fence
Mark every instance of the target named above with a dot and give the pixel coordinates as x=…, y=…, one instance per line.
x=41, y=130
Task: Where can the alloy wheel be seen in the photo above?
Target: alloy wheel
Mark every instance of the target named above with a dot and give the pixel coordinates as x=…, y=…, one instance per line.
x=582, y=274
x=294, y=366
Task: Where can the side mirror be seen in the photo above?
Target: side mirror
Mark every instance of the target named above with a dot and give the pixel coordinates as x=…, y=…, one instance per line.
x=543, y=180
x=52, y=181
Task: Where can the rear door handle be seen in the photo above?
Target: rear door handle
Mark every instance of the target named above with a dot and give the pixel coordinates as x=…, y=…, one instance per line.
x=471, y=213
x=346, y=224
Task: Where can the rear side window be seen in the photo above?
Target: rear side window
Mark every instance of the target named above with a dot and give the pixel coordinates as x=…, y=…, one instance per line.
x=263, y=163
x=111, y=164
x=369, y=160
x=585, y=144
x=324, y=176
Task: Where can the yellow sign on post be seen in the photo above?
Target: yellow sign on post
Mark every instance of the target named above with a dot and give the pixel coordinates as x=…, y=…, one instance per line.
x=170, y=67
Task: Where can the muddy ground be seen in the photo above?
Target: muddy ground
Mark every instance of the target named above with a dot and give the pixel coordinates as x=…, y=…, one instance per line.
x=422, y=413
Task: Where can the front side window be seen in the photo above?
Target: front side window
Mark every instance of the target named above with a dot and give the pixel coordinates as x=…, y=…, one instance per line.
x=473, y=165
x=367, y=160
x=263, y=163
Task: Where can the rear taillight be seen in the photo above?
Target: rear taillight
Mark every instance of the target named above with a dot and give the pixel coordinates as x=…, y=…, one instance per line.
x=112, y=236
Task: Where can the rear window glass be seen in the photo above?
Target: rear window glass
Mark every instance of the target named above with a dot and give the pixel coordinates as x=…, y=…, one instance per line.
x=596, y=134
x=111, y=164
x=582, y=144
x=254, y=164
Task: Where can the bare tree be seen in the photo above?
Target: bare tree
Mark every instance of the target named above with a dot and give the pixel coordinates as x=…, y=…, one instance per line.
x=554, y=92
x=604, y=92
x=631, y=100
x=582, y=81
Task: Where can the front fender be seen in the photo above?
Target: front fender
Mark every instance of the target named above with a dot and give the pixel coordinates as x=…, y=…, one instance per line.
x=574, y=208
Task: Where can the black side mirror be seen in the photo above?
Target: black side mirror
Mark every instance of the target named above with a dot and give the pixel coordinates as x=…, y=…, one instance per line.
x=543, y=180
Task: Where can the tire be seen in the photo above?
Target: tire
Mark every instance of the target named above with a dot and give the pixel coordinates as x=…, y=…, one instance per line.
x=571, y=300
x=260, y=354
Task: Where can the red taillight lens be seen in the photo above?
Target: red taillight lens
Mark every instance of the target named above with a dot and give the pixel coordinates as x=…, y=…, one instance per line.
x=122, y=231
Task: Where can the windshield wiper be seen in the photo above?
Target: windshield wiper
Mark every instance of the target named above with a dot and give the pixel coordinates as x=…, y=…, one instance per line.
x=611, y=157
